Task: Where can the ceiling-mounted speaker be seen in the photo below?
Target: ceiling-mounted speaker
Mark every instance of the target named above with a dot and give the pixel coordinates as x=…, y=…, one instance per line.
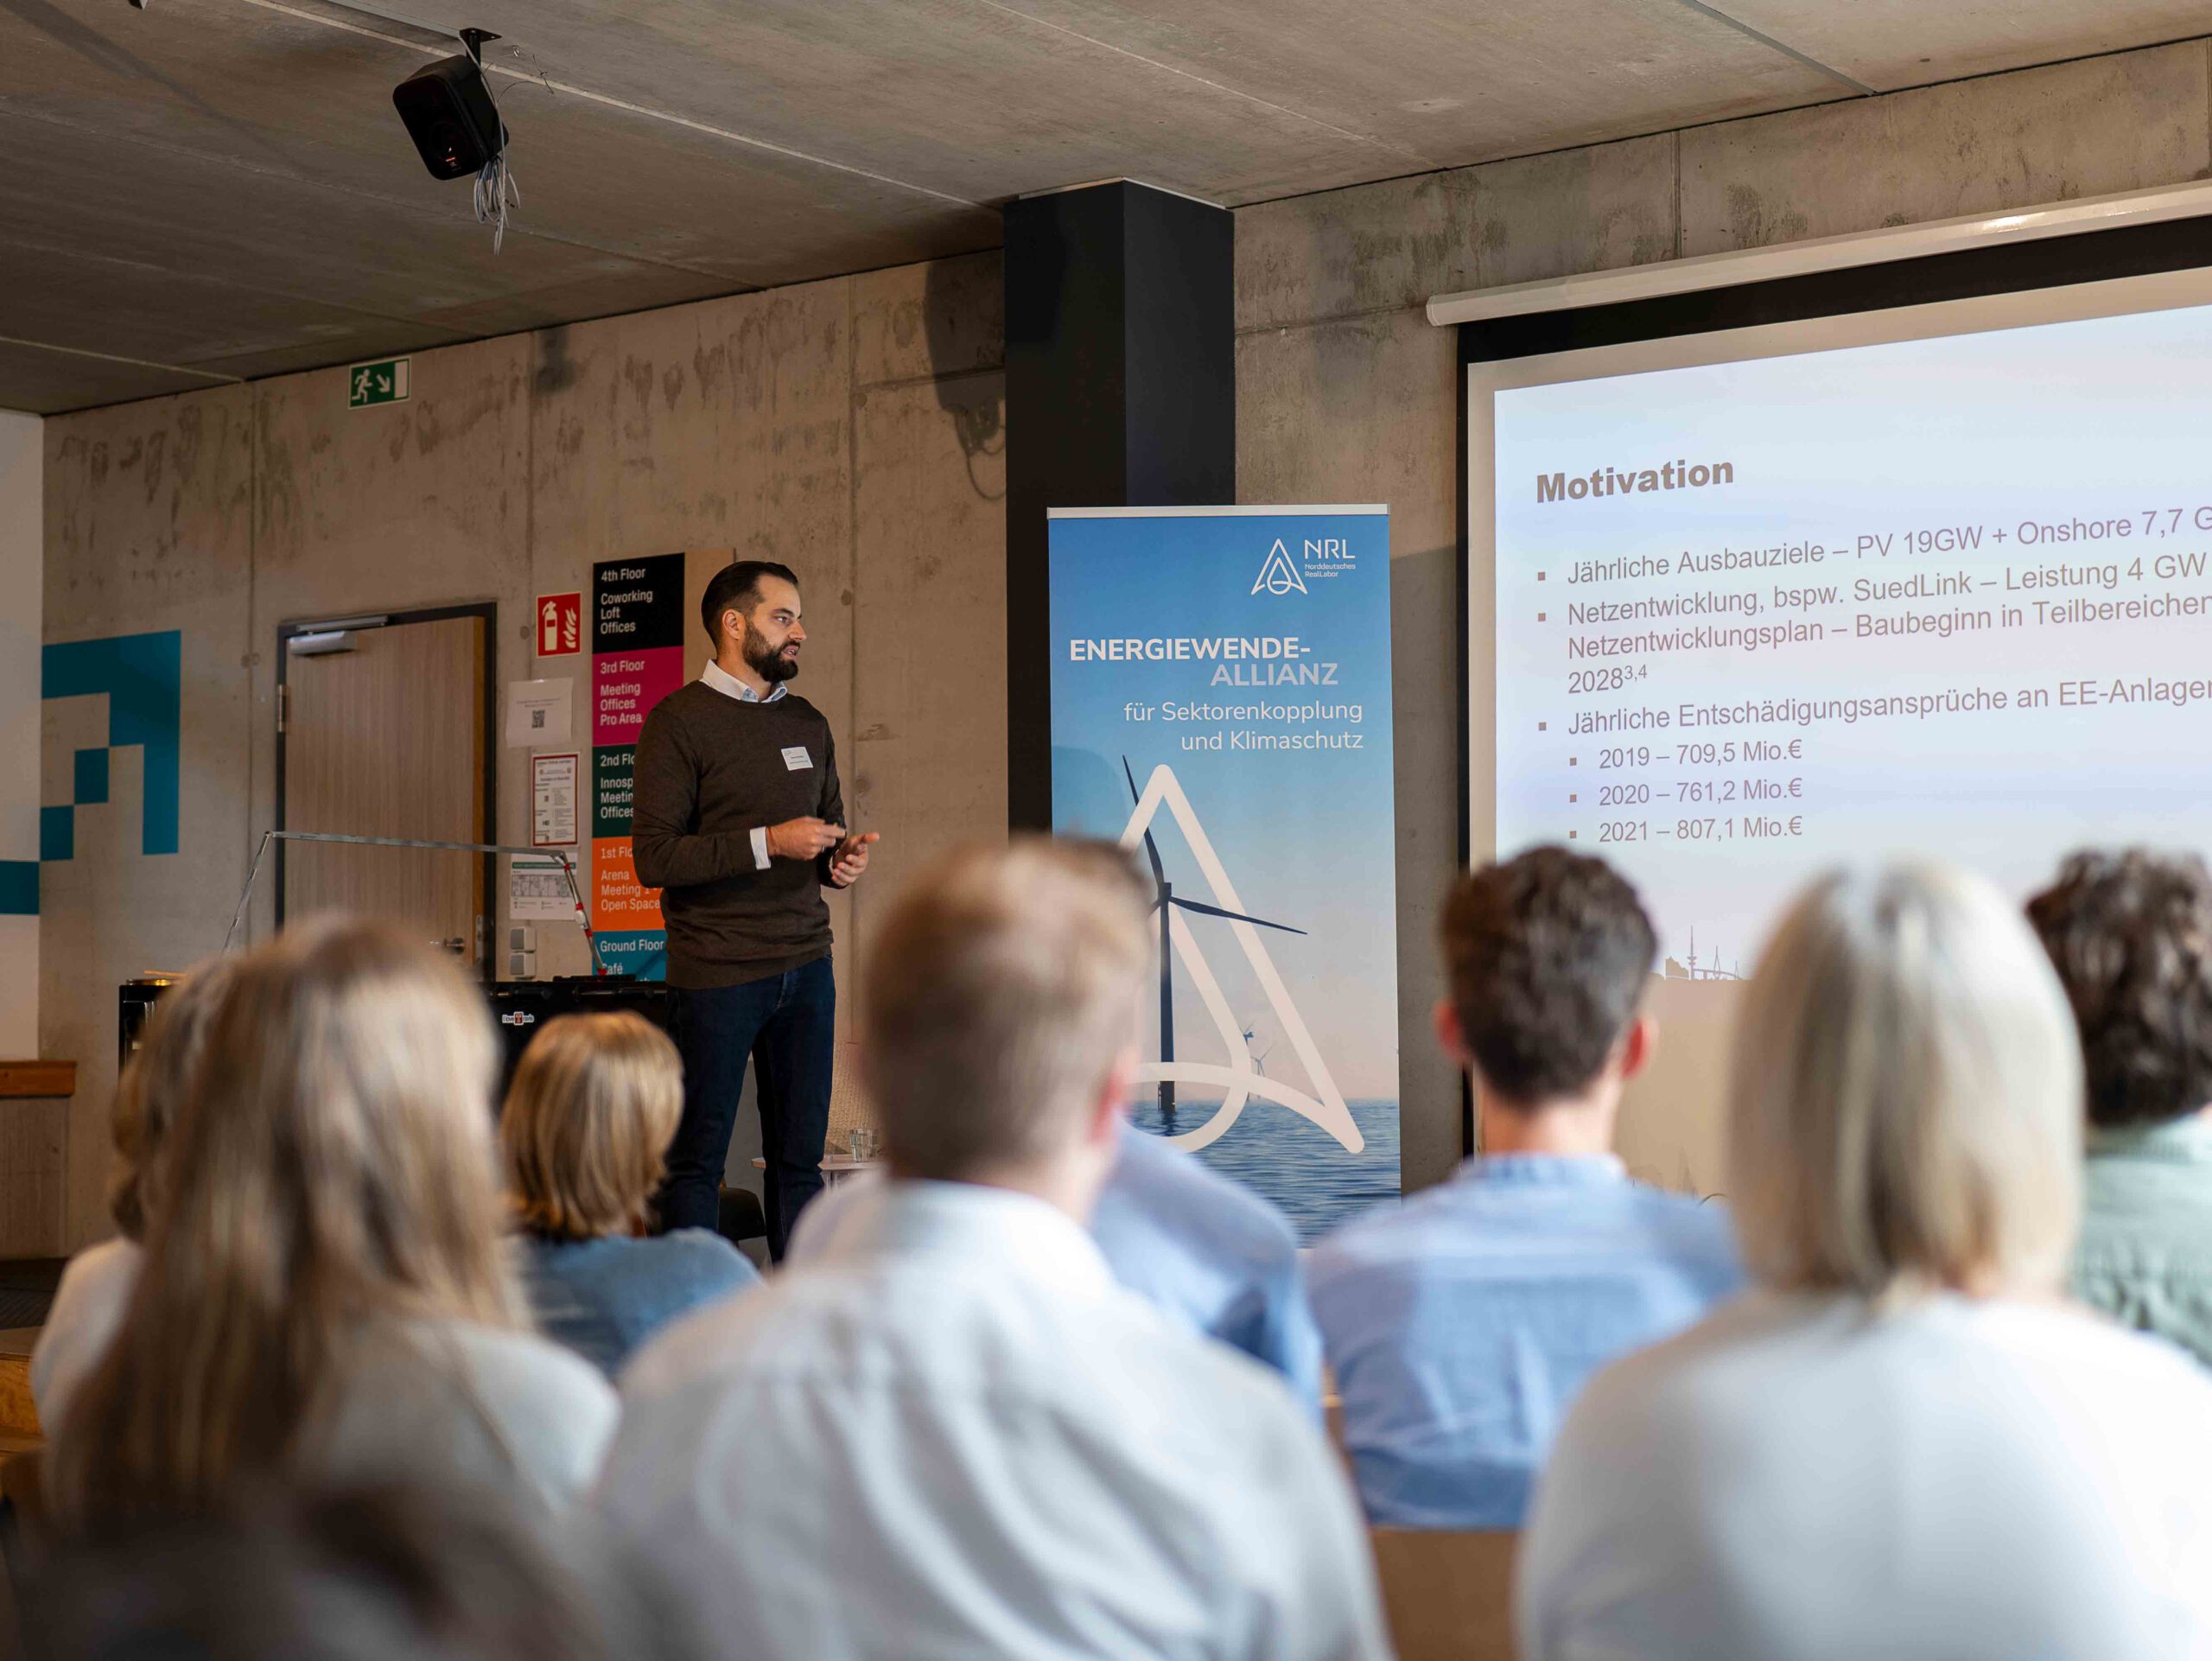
x=449, y=112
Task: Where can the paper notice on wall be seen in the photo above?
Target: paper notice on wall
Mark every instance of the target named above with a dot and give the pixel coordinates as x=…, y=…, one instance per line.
x=553, y=801
x=538, y=712
x=538, y=890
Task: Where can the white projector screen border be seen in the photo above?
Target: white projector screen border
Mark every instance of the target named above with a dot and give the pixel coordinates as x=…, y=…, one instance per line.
x=2153, y=268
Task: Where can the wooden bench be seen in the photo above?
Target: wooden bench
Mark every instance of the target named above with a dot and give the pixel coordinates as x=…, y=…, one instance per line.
x=1447, y=1595
x=19, y=1424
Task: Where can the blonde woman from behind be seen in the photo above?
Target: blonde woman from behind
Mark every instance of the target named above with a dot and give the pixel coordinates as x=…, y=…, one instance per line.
x=586, y=1131
x=96, y=1286
x=1904, y=1444
x=326, y=1291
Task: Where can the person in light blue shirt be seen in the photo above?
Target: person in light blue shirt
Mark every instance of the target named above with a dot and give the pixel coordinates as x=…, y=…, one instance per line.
x=1200, y=1247
x=585, y=1132
x=1206, y=1248
x=1461, y=1324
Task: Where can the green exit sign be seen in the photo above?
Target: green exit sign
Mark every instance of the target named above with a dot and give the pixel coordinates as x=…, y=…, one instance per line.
x=377, y=383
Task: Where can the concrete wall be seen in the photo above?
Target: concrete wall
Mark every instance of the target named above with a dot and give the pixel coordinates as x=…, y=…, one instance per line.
x=23, y=577
x=852, y=427
x=1345, y=392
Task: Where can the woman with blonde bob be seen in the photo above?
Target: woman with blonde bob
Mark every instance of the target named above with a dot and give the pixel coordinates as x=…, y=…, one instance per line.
x=1904, y=1444
x=587, y=1122
x=95, y=1288
x=326, y=1290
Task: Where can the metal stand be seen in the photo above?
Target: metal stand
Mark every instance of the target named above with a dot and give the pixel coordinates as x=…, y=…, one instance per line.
x=567, y=869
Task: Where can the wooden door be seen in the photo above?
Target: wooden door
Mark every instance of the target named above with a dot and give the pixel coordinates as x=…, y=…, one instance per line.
x=385, y=738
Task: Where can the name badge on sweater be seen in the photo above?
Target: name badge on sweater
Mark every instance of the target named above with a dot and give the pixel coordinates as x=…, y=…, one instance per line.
x=796, y=758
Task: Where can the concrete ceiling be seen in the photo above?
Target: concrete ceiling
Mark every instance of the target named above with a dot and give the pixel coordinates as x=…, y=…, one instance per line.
x=213, y=190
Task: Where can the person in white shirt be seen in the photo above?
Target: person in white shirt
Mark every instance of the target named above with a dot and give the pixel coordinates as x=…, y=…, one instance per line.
x=1904, y=1444
x=96, y=1285
x=326, y=1292
x=951, y=1432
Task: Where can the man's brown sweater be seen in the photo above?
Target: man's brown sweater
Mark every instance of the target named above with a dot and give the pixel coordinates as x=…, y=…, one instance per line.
x=710, y=770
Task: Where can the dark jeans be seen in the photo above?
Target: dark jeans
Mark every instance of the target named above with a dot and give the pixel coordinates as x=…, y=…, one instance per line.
x=786, y=1024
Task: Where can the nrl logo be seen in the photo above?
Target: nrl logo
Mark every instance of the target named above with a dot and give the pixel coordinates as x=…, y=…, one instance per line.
x=1277, y=575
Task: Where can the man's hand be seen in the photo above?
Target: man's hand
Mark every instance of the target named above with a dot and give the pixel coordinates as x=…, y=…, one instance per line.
x=802, y=838
x=851, y=858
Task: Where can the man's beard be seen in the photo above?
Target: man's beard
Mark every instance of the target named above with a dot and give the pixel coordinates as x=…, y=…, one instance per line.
x=767, y=661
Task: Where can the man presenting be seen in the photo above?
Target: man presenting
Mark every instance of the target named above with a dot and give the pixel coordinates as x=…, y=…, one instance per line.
x=736, y=817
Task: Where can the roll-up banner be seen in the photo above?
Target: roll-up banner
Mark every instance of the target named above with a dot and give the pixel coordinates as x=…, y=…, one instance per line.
x=1221, y=707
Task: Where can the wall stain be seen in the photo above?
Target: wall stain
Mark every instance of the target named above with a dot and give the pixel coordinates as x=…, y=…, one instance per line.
x=710, y=367
x=672, y=384
x=157, y=451
x=1750, y=225
x=190, y=434
x=556, y=371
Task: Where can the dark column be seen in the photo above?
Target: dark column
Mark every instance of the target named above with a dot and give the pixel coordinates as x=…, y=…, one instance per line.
x=1121, y=391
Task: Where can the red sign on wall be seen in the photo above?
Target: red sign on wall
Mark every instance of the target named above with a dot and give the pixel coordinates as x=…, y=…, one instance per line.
x=560, y=624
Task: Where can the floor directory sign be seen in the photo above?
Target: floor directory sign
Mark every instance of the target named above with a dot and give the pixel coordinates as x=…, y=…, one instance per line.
x=637, y=645
x=1221, y=707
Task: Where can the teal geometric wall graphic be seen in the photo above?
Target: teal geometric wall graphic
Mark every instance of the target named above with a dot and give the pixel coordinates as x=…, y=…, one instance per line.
x=18, y=887
x=92, y=777
x=57, y=832
x=143, y=677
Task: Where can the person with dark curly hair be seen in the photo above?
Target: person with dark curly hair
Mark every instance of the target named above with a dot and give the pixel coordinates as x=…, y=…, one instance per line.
x=2130, y=934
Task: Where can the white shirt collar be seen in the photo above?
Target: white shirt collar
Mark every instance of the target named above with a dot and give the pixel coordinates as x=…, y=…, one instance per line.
x=729, y=686
x=1027, y=1237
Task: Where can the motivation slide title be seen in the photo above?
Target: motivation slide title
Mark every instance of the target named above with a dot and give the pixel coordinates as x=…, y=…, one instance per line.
x=1624, y=481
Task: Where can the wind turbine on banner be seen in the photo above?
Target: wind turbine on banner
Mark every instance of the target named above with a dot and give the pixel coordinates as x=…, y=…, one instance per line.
x=1165, y=905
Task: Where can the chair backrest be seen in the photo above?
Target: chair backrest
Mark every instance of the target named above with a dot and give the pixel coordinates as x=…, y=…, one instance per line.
x=1447, y=1595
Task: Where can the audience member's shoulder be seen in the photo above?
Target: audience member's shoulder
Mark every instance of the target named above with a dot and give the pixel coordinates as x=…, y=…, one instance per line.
x=1149, y=1168
x=521, y=1365
x=1691, y=1219
x=553, y=1413
x=88, y=1304
x=705, y=1255
x=1245, y=1404
x=98, y=1267
x=710, y=1340
x=1386, y=1234
x=2068, y=1337
x=1675, y=1381
x=96, y=1284
x=1145, y=1341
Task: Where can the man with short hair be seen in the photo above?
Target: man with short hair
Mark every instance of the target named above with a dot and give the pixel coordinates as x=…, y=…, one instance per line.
x=950, y=1433
x=2131, y=937
x=1460, y=1325
x=737, y=818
